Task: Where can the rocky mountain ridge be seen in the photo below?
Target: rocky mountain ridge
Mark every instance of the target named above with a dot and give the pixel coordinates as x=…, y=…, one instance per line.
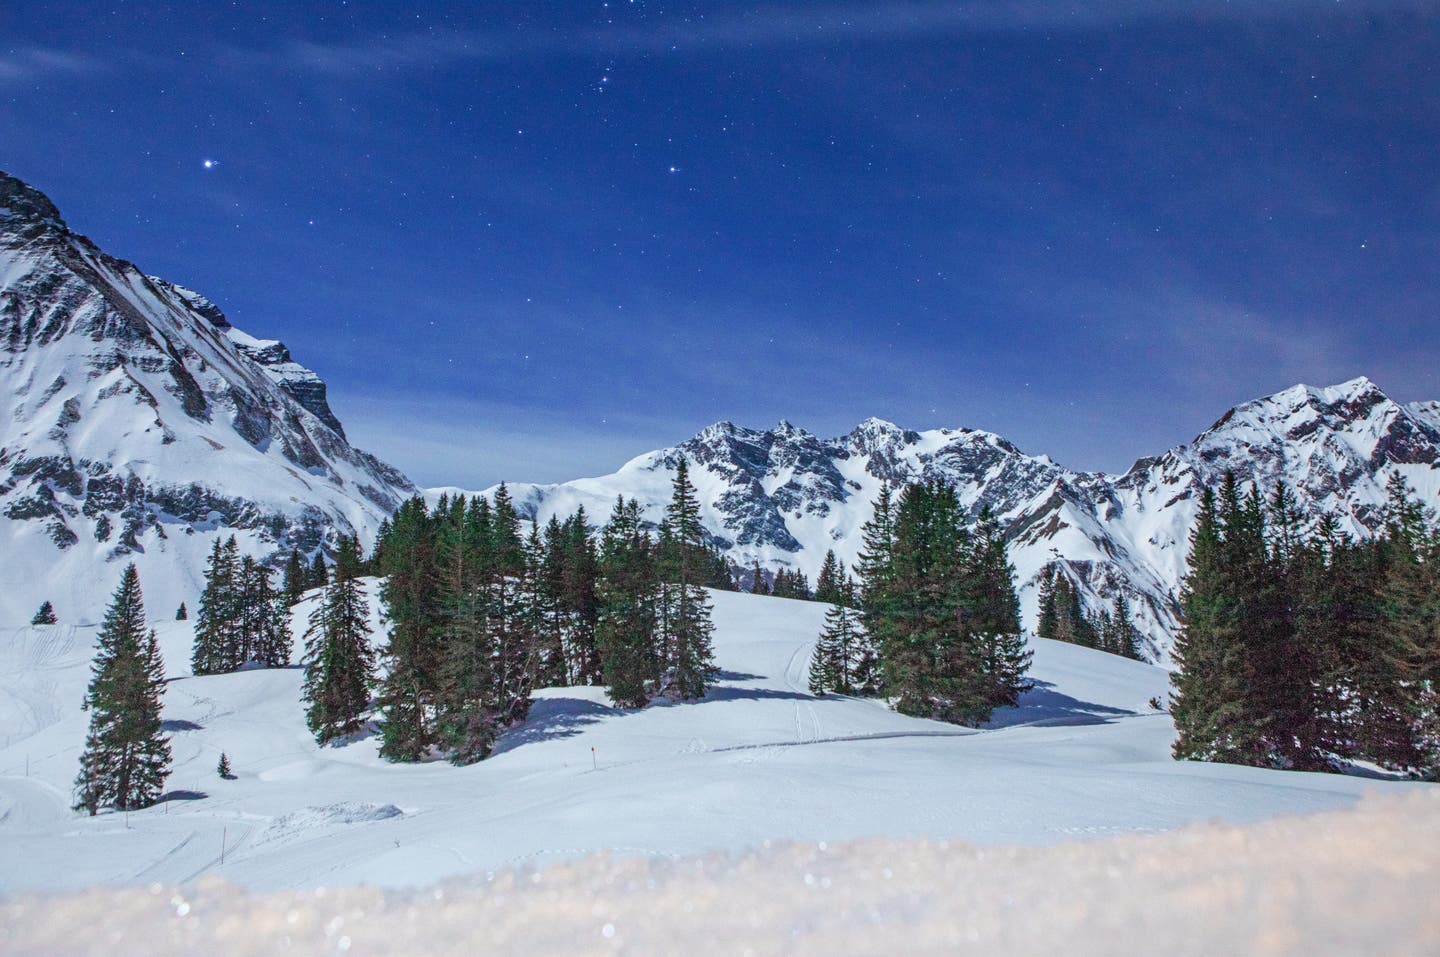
x=783, y=496
x=138, y=424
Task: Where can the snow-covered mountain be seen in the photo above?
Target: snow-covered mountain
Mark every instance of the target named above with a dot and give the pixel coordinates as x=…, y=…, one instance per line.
x=137, y=424
x=782, y=497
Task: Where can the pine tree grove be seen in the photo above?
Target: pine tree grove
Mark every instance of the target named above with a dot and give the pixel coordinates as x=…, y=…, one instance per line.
x=1302, y=648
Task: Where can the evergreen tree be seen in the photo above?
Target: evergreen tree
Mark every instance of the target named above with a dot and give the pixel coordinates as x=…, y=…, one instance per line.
x=842, y=660
x=757, y=581
x=126, y=757
x=579, y=601
x=1048, y=620
x=928, y=665
x=469, y=713
x=1122, y=639
x=1244, y=686
x=626, y=625
x=339, y=661
x=1204, y=704
x=217, y=638
x=296, y=579
x=413, y=653
x=318, y=572
x=516, y=656
x=45, y=616
x=182, y=613
x=994, y=615
x=223, y=768
x=829, y=583
x=689, y=663
x=266, y=619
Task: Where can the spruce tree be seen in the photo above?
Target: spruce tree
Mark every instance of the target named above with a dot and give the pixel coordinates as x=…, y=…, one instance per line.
x=1203, y=703
x=626, y=624
x=126, y=757
x=577, y=583
x=993, y=617
x=828, y=584
x=757, y=581
x=216, y=625
x=414, y=652
x=296, y=580
x=45, y=616
x=468, y=713
x=223, y=768
x=1047, y=621
x=842, y=659
x=182, y=613
x=689, y=663
x=1123, y=639
x=319, y=574
x=928, y=664
x=339, y=660
x=516, y=656
x=266, y=619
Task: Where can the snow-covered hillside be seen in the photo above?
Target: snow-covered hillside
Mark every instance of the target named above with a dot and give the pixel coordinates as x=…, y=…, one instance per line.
x=758, y=759
x=137, y=424
x=783, y=497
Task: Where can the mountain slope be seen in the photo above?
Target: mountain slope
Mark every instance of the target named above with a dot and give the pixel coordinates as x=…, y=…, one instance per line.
x=782, y=497
x=138, y=424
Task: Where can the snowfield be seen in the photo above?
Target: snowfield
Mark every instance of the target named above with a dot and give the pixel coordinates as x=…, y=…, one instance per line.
x=759, y=760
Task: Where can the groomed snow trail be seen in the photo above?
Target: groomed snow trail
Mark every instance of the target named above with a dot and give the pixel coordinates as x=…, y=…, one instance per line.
x=760, y=759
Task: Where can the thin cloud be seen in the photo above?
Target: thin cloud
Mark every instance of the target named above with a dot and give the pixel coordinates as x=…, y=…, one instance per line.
x=24, y=64
x=786, y=27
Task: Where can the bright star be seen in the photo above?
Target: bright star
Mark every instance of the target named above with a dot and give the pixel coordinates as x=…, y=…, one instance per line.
x=210, y=164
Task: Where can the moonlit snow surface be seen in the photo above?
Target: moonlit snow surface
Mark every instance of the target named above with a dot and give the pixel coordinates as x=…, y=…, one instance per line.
x=760, y=768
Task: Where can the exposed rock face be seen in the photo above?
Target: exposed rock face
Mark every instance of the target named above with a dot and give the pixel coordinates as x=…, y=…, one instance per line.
x=783, y=496
x=138, y=424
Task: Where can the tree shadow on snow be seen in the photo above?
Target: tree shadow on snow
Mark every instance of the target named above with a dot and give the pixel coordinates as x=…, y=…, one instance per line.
x=1043, y=706
x=180, y=724
x=749, y=694
x=551, y=719
x=736, y=676
x=181, y=795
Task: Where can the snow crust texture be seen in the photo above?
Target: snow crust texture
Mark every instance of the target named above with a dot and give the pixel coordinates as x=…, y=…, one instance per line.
x=782, y=497
x=1361, y=881
x=137, y=424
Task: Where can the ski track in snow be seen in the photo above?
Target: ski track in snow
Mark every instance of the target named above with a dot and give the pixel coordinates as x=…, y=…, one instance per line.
x=758, y=759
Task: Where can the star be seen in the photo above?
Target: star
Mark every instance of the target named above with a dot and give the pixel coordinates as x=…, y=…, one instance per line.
x=209, y=163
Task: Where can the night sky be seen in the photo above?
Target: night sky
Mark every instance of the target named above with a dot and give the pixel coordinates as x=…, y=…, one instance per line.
x=529, y=240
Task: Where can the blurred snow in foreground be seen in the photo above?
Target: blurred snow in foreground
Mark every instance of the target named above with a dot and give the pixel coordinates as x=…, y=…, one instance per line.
x=1360, y=881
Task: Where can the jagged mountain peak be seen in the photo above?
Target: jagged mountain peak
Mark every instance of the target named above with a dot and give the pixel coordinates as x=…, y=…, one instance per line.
x=24, y=208
x=783, y=497
x=138, y=424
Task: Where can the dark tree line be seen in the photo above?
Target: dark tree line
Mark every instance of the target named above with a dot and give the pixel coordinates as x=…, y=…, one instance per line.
x=1303, y=647
x=482, y=611
x=938, y=628
x=1063, y=619
x=242, y=616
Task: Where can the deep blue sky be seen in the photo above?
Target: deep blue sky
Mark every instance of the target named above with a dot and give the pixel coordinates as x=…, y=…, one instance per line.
x=529, y=240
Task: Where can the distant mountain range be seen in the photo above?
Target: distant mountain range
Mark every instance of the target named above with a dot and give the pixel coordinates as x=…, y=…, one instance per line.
x=783, y=496
x=139, y=424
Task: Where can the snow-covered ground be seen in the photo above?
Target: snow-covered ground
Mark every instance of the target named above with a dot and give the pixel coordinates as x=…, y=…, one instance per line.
x=759, y=760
